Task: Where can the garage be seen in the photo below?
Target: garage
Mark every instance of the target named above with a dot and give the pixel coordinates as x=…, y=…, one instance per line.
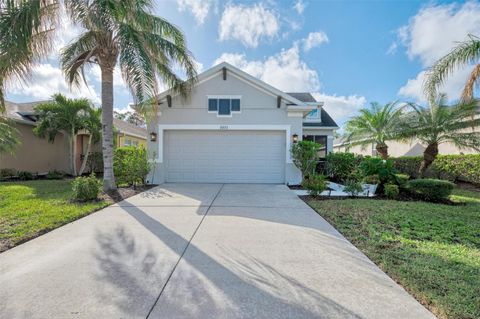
x=224, y=156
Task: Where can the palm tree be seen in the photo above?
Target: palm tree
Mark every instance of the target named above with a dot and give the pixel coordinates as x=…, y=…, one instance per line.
x=374, y=125
x=63, y=116
x=464, y=54
x=123, y=33
x=8, y=136
x=92, y=123
x=441, y=123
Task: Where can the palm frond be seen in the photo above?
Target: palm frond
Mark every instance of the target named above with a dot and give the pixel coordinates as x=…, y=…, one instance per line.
x=8, y=136
x=467, y=93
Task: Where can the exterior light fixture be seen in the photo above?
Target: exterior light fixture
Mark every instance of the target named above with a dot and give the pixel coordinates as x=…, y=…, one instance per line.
x=153, y=136
x=295, y=138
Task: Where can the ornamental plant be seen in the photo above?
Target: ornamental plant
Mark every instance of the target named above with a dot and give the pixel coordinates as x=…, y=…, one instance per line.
x=305, y=157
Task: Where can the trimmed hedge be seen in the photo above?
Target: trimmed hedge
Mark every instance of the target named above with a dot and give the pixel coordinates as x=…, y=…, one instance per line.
x=431, y=189
x=450, y=167
x=130, y=165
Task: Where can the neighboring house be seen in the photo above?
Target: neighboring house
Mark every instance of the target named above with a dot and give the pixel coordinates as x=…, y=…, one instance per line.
x=398, y=148
x=233, y=128
x=38, y=155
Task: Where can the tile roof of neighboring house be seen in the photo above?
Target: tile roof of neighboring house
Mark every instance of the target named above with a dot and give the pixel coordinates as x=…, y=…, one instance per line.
x=128, y=128
x=24, y=113
x=327, y=120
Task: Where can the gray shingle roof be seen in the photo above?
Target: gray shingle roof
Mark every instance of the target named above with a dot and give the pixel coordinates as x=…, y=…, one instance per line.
x=128, y=128
x=327, y=120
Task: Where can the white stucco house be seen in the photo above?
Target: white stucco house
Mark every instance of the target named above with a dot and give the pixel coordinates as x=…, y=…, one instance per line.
x=233, y=128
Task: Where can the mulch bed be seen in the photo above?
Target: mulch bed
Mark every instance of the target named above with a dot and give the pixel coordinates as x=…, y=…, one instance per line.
x=122, y=193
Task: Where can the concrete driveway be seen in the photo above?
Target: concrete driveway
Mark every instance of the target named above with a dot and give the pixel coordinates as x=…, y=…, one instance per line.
x=199, y=251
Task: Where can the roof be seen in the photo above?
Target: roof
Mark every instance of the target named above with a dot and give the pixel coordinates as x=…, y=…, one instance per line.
x=129, y=129
x=24, y=113
x=327, y=120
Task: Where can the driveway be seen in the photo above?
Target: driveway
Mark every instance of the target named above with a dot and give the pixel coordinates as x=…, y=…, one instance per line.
x=199, y=251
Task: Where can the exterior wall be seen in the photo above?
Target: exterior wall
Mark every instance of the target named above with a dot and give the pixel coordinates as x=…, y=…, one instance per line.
x=257, y=108
x=35, y=154
x=122, y=138
x=322, y=132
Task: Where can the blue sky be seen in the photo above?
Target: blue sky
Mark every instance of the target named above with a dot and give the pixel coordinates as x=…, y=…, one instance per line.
x=348, y=53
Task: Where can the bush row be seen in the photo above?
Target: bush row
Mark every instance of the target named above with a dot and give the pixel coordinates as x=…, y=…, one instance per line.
x=449, y=167
x=13, y=174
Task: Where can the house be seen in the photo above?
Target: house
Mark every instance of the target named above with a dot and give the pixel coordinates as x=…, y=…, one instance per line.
x=233, y=128
x=38, y=155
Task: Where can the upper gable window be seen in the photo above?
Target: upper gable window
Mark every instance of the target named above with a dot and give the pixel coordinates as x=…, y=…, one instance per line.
x=224, y=105
x=314, y=115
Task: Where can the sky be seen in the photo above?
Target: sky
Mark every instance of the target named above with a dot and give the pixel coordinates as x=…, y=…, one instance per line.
x=346, y=53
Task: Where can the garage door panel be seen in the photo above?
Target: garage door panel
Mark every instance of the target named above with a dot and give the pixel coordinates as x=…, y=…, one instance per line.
x=225, y=156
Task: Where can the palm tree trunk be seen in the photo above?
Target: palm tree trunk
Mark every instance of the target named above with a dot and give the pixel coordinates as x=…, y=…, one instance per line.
x=71, y=157
x=74, y=153
x=429, y=155
x=107, y=127
x=382, y=149
x=85, y=159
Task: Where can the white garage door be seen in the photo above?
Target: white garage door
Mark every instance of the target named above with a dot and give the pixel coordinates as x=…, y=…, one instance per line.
x=225, y=156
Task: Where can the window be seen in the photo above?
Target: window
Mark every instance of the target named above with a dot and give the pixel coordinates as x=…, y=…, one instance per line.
x=224, y=106
x=319, y=139
x=130, y=142
x=314, y=115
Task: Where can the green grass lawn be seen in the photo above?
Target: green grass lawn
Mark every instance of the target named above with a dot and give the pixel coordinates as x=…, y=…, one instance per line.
x=432, y=250
x=28, y=209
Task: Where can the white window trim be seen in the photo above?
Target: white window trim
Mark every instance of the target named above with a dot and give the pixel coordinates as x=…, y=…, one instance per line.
x=222, y=127
x=230, y=97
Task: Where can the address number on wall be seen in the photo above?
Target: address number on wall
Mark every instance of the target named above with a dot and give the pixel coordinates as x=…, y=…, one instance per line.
x=223, y=127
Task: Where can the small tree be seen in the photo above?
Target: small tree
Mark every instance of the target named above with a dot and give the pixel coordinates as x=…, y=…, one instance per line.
x=305, y=157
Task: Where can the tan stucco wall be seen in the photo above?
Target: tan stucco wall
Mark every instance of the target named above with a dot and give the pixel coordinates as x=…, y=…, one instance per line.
x=35, y=154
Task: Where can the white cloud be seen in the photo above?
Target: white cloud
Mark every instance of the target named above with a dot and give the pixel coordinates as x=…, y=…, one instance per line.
x=248, y=24
x=117, y=76
x=435, y=30
x=284, y=70
x=299, y=6
x=341, y=108
x=47, y=80
x=199, y=8
x=392, y=49
x=431, y=34
x=453, y=87
x=314, y=39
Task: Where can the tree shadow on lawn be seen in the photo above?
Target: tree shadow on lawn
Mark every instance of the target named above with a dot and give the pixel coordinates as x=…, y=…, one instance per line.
x=202, y=286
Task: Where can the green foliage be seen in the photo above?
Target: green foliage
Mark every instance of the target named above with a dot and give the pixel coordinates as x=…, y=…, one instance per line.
x=305, y=157
x=376, y=166
x=371, y=179
x=353, y=187
x=6, y=173
x=315, y=184
x=450, y=167
x=391, y=191
x=86, y=188
x=402, y=179
x=130, y=165
x=25, y=176
x=8, y=135
x=431, y=189
x=55, y=174
x=95, y=162
x=340, y=166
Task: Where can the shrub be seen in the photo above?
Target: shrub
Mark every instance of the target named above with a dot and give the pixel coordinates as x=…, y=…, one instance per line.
x=25, y=176
x=391, y=191
x=431, y=189
x=340, y=166
x=305, y=157
x=376, y=166
x=130, y=165
x=315, y=184
x=401, y=179
x=55, y=175
x=408, y=165
x=86, y=188
x=353, y=187
x=95, y=162
x=6, y=173
x=371, y=179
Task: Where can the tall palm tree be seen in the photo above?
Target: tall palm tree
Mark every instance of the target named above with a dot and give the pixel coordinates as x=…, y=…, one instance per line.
x=441, y=123
x=374, y=125
x=63, y=116
x=464, y=54
x=124, y=33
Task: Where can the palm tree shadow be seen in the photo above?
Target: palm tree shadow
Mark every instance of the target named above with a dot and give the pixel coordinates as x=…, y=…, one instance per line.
x=215, y=290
